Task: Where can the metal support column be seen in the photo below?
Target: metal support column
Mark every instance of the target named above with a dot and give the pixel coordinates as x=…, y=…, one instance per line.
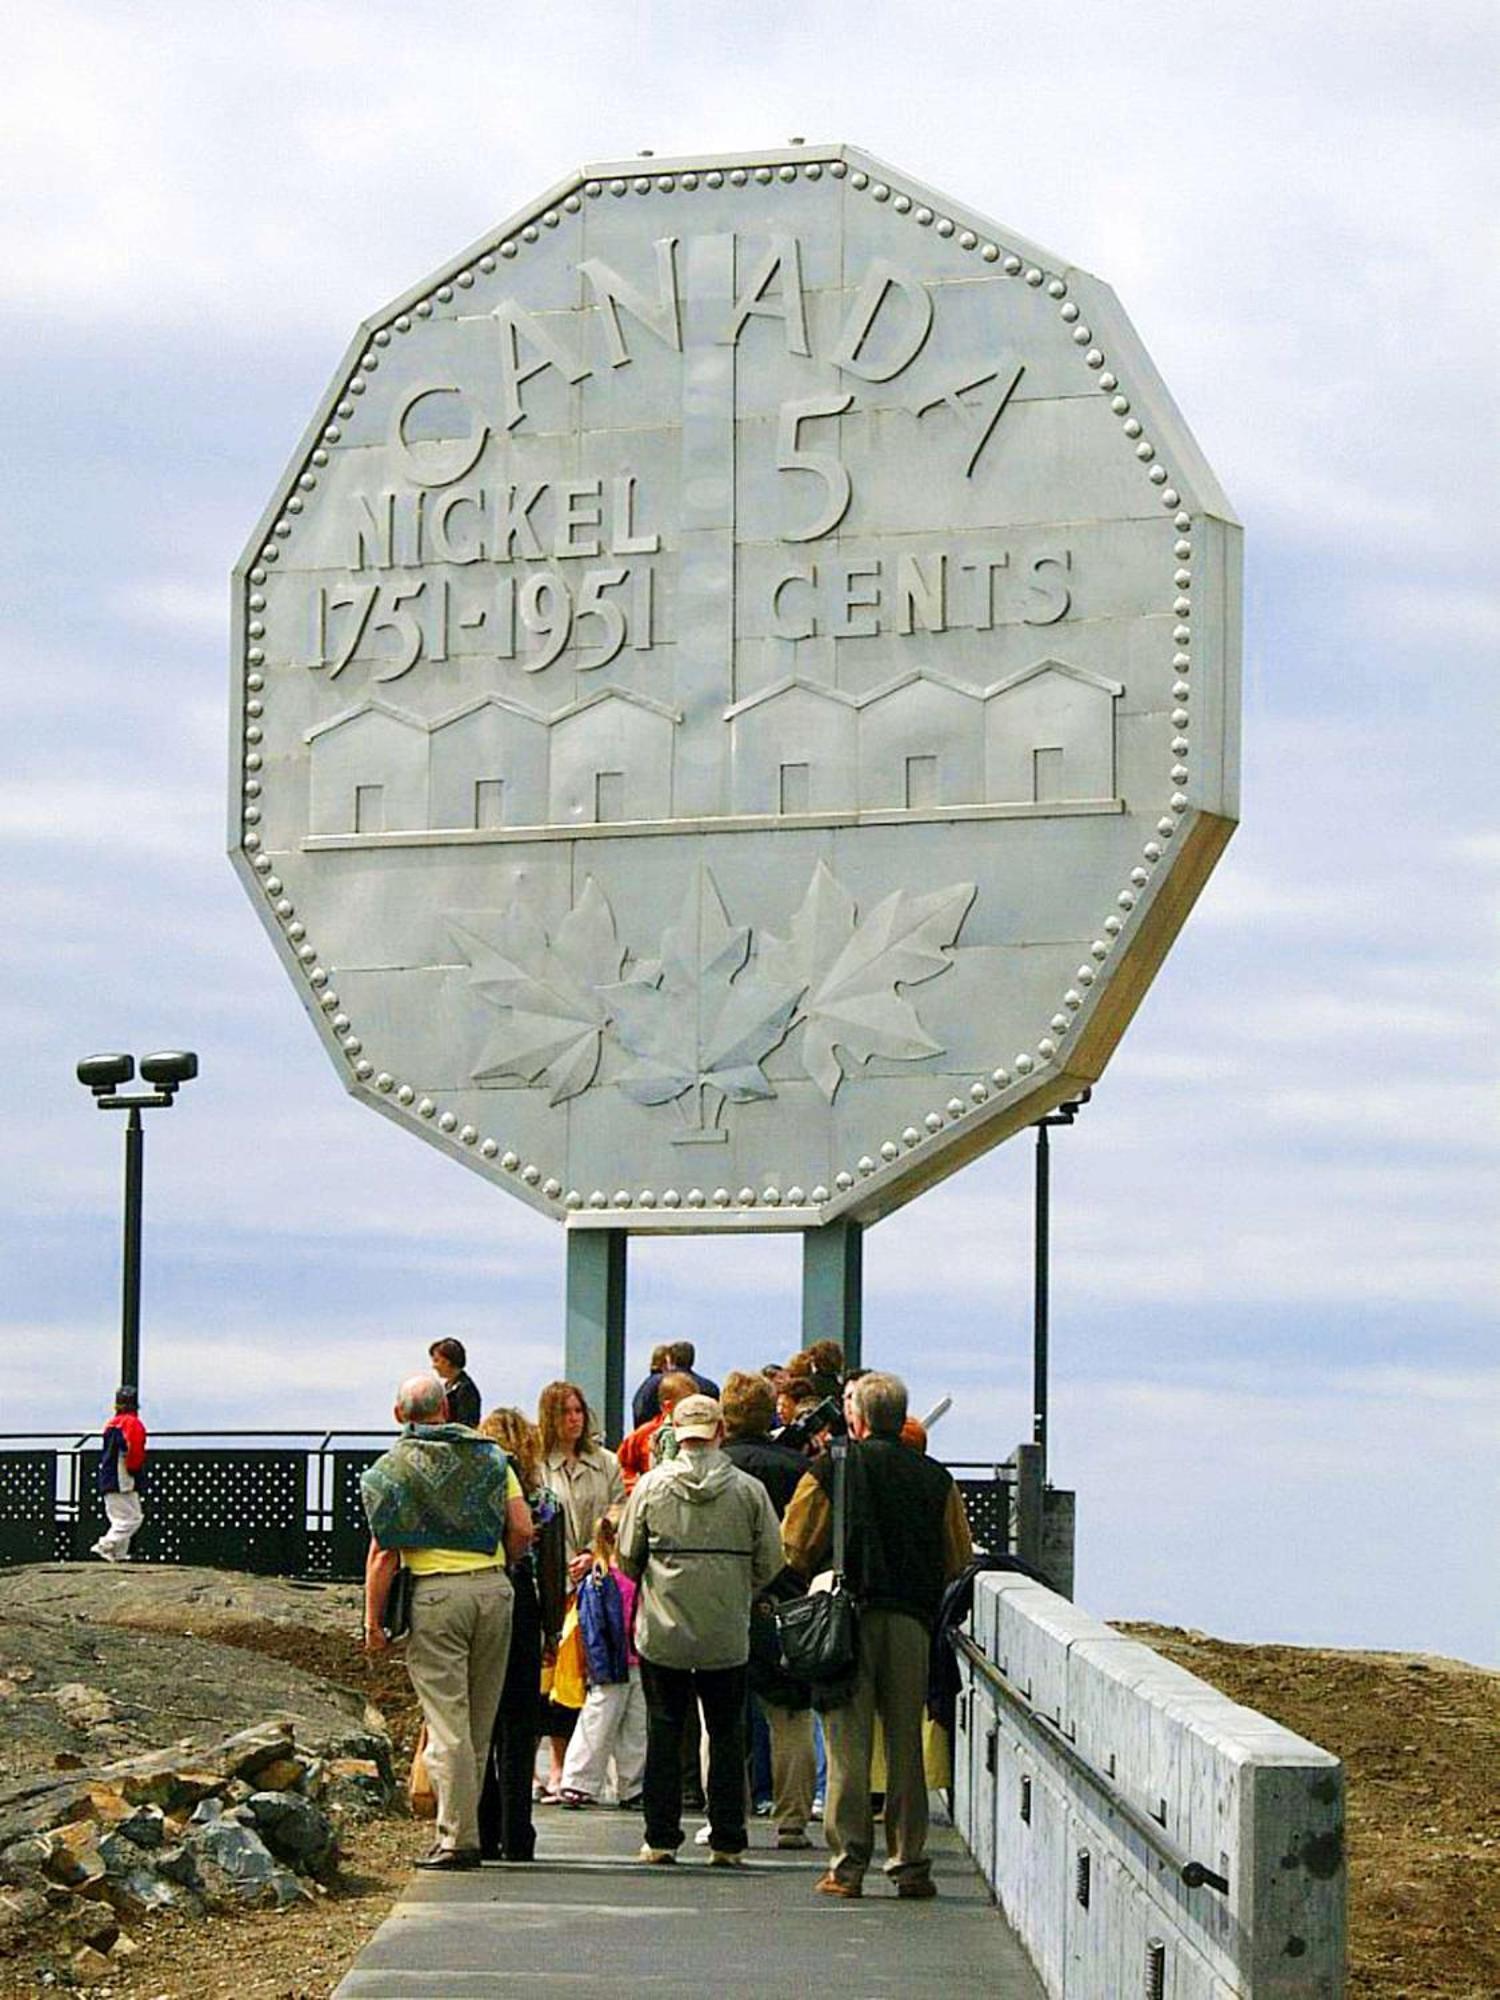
x=594, y=1336
x=832, y=1287
x=1040, y=1300
x=130, y=1287
x=1063, y=1114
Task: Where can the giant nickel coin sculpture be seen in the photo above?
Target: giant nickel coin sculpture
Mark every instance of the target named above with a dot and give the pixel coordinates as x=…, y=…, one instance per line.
x=735, y=694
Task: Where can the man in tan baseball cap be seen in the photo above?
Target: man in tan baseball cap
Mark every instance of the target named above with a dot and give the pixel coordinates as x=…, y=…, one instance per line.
x=701, y=1539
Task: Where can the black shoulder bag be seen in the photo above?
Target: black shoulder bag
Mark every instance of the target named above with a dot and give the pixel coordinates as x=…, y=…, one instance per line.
x=395, y=1619
x=819, y=1633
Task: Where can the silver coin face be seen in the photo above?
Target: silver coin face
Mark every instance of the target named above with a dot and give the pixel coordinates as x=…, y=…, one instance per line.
x=735, y=694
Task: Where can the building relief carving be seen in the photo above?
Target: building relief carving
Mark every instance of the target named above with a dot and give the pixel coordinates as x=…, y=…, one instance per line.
x=1045, y=736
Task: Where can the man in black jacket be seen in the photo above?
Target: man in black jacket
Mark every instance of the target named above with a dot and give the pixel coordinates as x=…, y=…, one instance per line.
x=678, y=1359
x=749, y=1406
x=907, y=1538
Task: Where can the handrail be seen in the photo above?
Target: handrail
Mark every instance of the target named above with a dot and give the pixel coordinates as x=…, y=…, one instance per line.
x=1194, y=1874
x=995, y=1468
x=208, y=1431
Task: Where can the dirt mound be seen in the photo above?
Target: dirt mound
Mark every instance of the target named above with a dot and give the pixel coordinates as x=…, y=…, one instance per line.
x=1420, y=1741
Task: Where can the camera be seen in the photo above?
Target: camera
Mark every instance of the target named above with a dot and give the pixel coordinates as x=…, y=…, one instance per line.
x=825, y=1416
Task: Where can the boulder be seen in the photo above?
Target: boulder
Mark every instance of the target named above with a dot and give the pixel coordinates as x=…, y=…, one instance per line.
x=83, y=1922
x=175, y=1864
x=83, y=1707
x=357, y=1787
x=285, y=1774
x=74, y=1857
x=141, y=1893
x=108, y=1804
x=371, y=1744
x=162, y=1784
x=234, y=1865
x=246, y=1754
x=89, y=1967
x=22, y=1858
x=22, y=1909
x=295, y=1831
x=122, y=1856
x=145, y=1826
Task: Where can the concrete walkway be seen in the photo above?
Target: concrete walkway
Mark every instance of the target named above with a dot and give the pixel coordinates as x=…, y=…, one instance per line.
x=587, y=1915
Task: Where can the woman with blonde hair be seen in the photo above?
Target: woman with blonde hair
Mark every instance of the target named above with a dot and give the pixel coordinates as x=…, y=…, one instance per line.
x=612, y=1722
x=505, y=1829
x=586, y=1479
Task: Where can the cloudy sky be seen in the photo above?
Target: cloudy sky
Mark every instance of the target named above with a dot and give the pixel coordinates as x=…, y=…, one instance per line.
x=1276, y=1384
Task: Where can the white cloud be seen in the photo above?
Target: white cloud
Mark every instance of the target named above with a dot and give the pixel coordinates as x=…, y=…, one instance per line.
x=73, y=812
x=177, y=604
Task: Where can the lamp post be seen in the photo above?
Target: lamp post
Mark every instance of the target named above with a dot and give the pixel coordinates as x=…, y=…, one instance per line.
x=105, y=1076
x=1063, y=1114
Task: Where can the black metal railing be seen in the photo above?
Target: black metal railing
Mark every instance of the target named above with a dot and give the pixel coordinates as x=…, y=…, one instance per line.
x=276, y=1503
x=1149, y=1831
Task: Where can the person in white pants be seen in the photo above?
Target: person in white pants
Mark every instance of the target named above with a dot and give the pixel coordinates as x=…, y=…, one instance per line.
x=612, y=1721
x=121, y=1462
x=611, y=1724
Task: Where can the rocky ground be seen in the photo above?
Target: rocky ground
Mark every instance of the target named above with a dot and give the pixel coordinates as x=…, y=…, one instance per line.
x=232, y=1727
x=100, y=1668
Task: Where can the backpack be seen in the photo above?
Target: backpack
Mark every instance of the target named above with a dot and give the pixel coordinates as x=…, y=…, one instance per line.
x=549, y=1553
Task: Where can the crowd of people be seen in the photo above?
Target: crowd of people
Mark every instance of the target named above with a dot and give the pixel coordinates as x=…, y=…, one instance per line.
x=587, y=1626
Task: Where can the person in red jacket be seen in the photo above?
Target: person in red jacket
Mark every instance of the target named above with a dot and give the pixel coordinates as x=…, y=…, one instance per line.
x=649, y=1443
x=122, y=1465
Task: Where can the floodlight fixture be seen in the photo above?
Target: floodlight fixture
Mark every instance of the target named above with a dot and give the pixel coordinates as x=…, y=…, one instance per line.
x=105, y=1075
x=169, y=1068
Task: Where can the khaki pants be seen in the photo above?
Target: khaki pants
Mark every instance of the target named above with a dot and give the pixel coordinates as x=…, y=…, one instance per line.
x=794, y=1766
x=456, y=1655
x=892, y=1682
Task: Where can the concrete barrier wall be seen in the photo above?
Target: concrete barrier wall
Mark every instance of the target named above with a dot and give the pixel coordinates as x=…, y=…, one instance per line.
x=1090, y=1773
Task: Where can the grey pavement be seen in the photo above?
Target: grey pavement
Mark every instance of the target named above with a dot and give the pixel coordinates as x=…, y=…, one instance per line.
x=587, y=1914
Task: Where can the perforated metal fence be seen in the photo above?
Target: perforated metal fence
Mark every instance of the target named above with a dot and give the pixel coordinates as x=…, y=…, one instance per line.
x=271, y=1502
x=274, y=1503
x=987, y=1502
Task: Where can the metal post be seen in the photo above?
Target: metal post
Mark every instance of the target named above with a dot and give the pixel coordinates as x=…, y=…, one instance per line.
x=1028, y=1505
x=130, y=1296
x=1040, y=1300
x=594, y=1336
x=832, y=1287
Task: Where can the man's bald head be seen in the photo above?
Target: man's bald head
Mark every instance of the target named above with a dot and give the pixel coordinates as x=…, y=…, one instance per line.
x=421, y=1399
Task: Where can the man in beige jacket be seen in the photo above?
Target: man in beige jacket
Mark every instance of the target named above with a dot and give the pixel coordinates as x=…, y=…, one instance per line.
x=701, y=1538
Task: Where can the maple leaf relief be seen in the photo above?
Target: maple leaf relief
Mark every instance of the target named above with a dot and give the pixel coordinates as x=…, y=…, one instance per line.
x=848, y=970
x=548, y=990
x=707, y=1022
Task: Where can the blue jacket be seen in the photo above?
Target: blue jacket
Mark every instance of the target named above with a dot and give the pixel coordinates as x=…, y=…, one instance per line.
x=601, y=1620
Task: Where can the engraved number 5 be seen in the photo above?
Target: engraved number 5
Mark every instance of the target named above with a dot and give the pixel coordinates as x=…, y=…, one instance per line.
x=824, y=464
